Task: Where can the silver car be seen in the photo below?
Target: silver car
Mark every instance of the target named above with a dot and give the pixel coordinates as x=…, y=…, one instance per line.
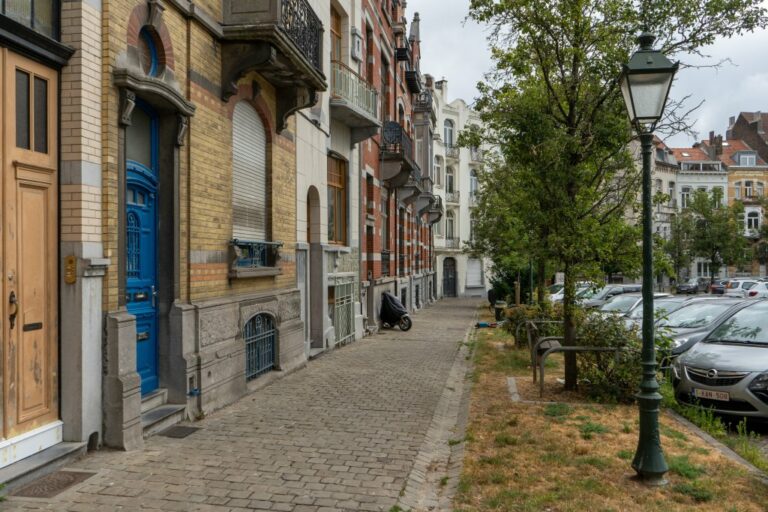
x=692, y=322
x=728, y=370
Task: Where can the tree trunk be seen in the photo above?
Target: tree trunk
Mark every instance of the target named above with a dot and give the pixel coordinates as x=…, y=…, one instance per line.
x=541, y=268
x=569, y=329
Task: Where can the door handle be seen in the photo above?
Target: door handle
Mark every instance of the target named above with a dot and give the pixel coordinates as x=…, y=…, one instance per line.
x=13, y=310
x=154, y=296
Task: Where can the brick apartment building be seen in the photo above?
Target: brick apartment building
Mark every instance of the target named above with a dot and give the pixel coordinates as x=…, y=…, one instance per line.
x=397, y=166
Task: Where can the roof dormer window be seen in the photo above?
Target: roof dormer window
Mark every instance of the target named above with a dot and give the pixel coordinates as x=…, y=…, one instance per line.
x=747, y=159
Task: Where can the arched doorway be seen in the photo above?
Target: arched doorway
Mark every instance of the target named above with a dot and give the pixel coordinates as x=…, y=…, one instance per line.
x=316, y=295
x=449, y=277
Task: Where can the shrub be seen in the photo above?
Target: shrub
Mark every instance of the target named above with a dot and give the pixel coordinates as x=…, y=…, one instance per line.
x=604, y=378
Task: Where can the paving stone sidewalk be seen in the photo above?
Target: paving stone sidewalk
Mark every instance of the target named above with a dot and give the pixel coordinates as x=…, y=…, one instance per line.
x=351, y=432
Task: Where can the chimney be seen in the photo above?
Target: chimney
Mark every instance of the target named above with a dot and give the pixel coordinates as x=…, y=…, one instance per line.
x=711, y=138
x=719, y=146
x=759, y=119
x=429, y=81
x=731, y=120
x=415, y=28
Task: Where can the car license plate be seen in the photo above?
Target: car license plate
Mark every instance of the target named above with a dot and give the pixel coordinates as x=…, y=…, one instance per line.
x=712, y=395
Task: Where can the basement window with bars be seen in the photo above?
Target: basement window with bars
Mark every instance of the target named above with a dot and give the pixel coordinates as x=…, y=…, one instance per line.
x=260, y=338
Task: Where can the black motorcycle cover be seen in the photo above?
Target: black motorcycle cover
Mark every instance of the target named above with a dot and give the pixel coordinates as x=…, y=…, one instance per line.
x=391, y=308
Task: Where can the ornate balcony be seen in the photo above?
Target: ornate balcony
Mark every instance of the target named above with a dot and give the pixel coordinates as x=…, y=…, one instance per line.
x=397, y=163
x=475, y=155
x=452, y=243
x=423, y=102
x=413, y=80
x=452, y=151
x=452, y=197
x=411, y=191
x=251, y=258
x=281, y=39
x=473, y=198
x=354, y=102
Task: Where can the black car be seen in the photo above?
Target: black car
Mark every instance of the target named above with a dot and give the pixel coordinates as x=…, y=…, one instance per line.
x=718, y=287
x=690, y=286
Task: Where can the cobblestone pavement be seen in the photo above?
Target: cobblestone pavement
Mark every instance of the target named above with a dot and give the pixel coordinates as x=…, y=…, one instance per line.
x=354, y=431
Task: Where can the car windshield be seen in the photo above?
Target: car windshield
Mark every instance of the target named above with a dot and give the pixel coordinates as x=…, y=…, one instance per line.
x=660, y=308
x=602, y=293
x=748, y=325
x=586, y=293
x=620, y=304
x=555, y=288
x=695, y=315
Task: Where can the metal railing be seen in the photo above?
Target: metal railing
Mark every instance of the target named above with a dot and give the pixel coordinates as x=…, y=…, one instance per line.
x=260, y=339
x=250, y=254
x=349, y=86
x=303, y=27
x=395, y=140
x=423, y=101
x=473, y=198
x=452, y=197
x=452, y=243
x=452, y=151
x=475, y=154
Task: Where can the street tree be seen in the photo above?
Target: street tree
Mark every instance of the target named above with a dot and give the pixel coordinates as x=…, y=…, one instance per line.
x=553, y=105
x=718, y=230
x=679, y=244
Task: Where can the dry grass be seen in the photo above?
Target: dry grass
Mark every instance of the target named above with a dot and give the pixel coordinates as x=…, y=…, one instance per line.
x=559, y=457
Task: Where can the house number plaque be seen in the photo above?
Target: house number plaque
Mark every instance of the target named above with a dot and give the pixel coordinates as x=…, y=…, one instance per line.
x=70, y=270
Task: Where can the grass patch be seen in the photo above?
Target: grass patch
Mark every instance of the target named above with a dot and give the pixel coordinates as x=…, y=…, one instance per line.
x=558, y=410
x=588, y=429
x=553, y=467
x=505, y=439
x=684, y=467
x=454, y=442
x=444, y=481
x=694, y=490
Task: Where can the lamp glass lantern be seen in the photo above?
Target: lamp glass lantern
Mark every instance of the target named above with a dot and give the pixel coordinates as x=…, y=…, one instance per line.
x=645, y=84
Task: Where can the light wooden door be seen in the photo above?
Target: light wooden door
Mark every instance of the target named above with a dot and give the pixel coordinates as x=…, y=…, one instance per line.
x=29, y=236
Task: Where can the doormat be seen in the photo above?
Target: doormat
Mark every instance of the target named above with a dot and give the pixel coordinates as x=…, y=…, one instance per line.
x=53, y=484
x=178, y=431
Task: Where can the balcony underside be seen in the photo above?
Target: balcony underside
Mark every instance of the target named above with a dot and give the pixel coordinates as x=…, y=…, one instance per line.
x=269, y=52
x=424, y=202
x=434, y=216
x=409, y=192
x=363, y=124
x=395, y=169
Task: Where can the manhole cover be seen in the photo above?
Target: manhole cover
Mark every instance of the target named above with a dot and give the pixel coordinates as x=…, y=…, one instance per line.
x=53, y=484
x=179, y=431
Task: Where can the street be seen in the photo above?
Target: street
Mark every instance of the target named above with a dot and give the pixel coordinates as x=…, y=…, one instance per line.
x=341, y=434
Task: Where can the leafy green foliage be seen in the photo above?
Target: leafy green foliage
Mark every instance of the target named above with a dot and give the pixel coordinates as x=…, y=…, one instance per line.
x=565, y=176
x=589, y=428
x=695, y=490
x=684, y=467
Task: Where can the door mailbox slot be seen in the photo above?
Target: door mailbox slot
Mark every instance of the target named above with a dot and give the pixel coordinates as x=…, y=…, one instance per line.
x=142, y=336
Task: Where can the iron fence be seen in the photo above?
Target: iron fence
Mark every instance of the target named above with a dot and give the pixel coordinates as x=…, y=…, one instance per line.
x=260, y=341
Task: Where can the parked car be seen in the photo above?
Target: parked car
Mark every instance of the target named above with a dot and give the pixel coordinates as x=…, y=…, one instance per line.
x=692, y=322
x=718, y=287
x=581, y=286
x=728, y=370
x=626, y=302
x=606, y=292
x=662, y=307
x=760, y=290
x=691, y=286
x=739, y=287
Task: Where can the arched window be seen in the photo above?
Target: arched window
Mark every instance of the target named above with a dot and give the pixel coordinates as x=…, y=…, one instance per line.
x=260, y=341
x=250, y=214
x=449, y=180
x=448, y=132
x=450, y=225
x=438, y=171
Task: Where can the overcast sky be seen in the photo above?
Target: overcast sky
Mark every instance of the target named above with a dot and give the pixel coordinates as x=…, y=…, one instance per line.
x=457, y=50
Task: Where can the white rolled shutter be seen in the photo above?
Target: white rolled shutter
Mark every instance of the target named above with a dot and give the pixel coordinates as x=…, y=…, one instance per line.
x=249, y=175
x=474, y=273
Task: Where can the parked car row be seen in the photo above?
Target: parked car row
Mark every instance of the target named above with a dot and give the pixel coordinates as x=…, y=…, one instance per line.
x=719, y=354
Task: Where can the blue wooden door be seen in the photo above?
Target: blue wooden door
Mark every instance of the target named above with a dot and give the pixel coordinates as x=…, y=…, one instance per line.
x=141, y=242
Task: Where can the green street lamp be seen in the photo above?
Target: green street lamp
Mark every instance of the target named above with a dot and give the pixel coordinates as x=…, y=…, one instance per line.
x=645, y=84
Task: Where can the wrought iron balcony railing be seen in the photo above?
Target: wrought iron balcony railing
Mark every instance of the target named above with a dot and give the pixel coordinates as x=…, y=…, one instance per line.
x=349, y=86
x=303, y=27
x=452, y=151
x=473, y=198
x=475, y=155
x=452, y=243
x=395, y=140
x=423, y=102
x=452, y=197
x=252, y=258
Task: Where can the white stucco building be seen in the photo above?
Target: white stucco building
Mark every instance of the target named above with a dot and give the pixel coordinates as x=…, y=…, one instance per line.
x=456, y=183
